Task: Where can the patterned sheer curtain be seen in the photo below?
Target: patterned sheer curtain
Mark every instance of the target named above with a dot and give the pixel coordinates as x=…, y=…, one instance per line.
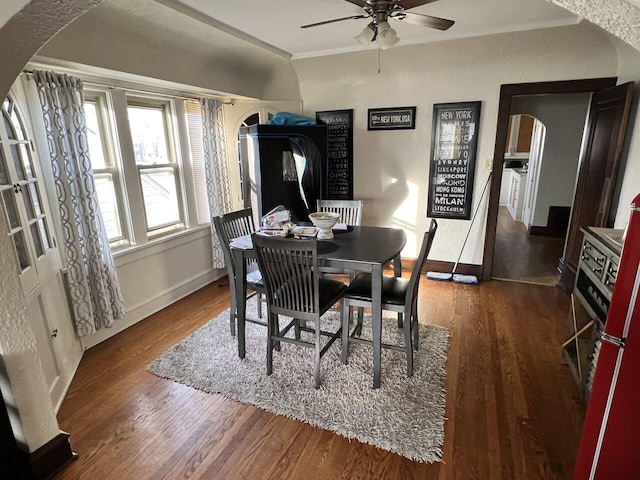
x=216, y=168
x=94, y=290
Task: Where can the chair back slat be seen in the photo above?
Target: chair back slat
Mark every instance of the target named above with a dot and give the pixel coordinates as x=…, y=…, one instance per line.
x=233, y=225
x=289, y=271
x=414, y=281
x=350, y=210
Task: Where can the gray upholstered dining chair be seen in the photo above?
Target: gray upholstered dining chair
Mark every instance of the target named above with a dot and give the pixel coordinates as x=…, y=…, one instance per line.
x=398, y=295
x=229, y=226
x=295, y=289
x=350, y=210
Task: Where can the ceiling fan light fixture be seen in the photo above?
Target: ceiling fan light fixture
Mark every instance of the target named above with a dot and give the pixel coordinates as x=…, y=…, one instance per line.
x=366, y=35
x=387, y=36
x=390, y=44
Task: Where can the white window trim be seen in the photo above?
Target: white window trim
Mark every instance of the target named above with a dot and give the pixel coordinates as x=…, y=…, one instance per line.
x=112, y=157
x=118, y=85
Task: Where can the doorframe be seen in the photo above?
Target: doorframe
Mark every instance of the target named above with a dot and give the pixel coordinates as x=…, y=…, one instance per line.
x=507, y=92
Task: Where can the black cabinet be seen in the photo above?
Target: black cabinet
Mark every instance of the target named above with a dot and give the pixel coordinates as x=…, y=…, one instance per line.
x=283, y=165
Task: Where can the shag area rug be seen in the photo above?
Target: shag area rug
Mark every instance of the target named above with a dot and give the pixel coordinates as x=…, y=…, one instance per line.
x=405, y=415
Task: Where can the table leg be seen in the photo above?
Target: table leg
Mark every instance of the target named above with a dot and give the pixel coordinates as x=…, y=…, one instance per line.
x=241, y=297
x=376, y=316
x=397, y=266
x=397, y=271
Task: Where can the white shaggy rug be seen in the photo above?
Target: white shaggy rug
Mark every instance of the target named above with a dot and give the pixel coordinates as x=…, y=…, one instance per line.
x=405, y=415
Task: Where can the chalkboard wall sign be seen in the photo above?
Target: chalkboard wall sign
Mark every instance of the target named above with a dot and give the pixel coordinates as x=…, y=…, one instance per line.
x=453, y=159
x=339, y=184
x=396, y=118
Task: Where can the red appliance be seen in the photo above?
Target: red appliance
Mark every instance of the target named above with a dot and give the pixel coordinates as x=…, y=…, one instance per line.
x=610, y=442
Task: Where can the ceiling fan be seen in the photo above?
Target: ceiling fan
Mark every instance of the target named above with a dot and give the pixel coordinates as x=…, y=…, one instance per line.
x=380, y=11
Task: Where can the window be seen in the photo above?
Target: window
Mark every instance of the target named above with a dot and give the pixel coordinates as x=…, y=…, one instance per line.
x=145, y=183
x=105, y=172
x=194, y=123
x=156, y=165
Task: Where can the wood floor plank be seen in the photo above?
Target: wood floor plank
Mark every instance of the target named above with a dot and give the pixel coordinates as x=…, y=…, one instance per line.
x=513, y=409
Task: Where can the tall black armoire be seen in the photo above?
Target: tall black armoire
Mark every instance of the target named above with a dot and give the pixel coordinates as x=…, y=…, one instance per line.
x=283, y=165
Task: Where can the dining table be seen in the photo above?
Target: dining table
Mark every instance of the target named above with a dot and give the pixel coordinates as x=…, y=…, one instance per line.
x=359, y=248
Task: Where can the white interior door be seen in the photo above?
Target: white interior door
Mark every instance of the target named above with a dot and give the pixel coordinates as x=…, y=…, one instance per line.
x=535, y=162
x=27, y=212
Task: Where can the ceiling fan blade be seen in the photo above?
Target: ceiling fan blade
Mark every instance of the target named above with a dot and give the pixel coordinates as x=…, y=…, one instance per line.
x=426, y=20
x=352, y=17
x=407, y=4
x=363, y=4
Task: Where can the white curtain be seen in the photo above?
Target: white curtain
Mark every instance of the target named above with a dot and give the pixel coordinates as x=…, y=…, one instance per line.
x=216, y=168
x=94, y=290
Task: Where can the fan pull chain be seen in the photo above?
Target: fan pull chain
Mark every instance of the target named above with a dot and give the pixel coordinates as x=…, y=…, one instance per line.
x=379, y=60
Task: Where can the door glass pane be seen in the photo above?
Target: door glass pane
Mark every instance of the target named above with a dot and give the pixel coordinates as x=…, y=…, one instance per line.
x=17, y=161
x=108, y=201
x=96, y=149
x=9, y=198
x=21, y=250
x=25, y=156
x=7, y=123
x=44, y=234
x=148, y=133
x=17, y=124
x=37, y=243
x=4, y=175
x=27, y=202
x=35, y=198
x=160, y=196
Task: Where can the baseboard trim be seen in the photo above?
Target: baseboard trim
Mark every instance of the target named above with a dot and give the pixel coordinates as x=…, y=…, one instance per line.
x=52, y=457
x=445, y=267
x=148, y=307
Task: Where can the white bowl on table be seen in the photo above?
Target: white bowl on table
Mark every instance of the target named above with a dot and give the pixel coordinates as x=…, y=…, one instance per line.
x=325, y=222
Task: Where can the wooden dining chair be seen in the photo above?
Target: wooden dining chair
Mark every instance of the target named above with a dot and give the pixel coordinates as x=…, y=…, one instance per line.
x=295, y=289
x=350, y=210
x=229, y=226
x=398, y=295
x=350, y=214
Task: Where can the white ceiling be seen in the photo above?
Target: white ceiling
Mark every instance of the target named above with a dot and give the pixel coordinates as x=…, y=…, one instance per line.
x=276, y=23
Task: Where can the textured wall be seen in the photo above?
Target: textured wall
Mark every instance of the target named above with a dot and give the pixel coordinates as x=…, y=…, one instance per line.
x=24, y=33
x=143, y=37
x=391, y=167
x=629, y=70
x=619, y=17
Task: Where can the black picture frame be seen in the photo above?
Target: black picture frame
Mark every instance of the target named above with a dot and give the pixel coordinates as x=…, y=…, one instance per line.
x=391, y=118
x=453, y=159
x=339, y=168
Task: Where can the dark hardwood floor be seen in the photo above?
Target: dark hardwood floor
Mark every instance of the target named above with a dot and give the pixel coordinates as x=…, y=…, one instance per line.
x=513, y=409
x=522, y=257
